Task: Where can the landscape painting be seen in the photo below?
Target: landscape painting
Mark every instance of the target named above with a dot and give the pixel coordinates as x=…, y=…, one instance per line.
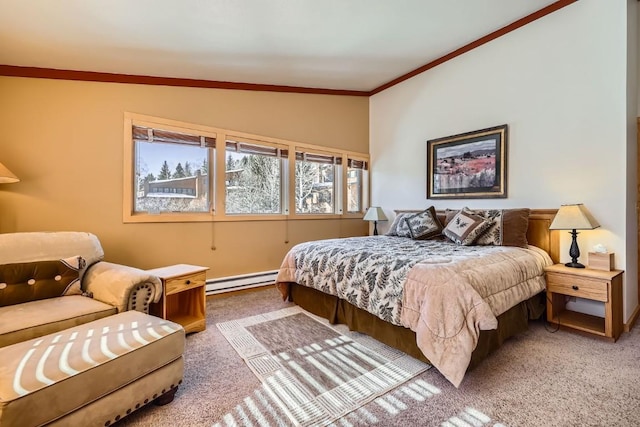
x=469, y=165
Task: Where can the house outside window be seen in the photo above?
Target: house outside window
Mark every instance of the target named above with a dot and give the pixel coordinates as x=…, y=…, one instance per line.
x=171, y=171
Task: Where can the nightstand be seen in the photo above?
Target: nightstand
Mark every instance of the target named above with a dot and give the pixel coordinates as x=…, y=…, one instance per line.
x=183, y=296
x=596, y=285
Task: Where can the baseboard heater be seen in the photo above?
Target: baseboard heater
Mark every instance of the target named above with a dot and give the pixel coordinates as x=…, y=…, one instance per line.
x=244, y=281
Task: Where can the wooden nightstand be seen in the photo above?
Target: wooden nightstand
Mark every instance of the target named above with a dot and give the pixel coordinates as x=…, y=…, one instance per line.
x=597, y=285
x=183, y=296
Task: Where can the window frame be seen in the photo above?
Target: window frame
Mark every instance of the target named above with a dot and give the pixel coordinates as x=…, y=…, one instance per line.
x=364, y=189
x=338, y=179
x=217, y=171
x=130, y=185
x=235, y=137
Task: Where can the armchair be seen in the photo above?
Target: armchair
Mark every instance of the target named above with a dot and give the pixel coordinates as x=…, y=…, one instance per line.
x=32, y=306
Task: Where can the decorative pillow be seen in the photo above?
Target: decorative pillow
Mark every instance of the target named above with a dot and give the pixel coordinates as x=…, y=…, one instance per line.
x=399, y=226
x=515, y=224
x=465, y=227
x=424, y=225
x=448, y=215
x=30, y=281
x=508, y=227
x=493, y=234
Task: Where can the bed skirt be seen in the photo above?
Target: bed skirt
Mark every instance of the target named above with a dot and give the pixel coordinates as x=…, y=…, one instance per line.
x=510, y=323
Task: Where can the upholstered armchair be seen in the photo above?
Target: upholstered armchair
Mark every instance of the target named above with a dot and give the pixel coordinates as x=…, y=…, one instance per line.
x=50, y=281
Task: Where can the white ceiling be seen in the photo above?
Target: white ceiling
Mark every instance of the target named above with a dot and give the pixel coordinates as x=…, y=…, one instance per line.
x=335, y=44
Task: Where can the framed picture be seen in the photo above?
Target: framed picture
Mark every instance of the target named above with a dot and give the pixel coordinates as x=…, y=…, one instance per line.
x=471, y=165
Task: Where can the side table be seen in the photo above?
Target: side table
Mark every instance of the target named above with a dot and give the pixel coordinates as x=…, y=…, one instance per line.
x=596, y=285
x=183, y=296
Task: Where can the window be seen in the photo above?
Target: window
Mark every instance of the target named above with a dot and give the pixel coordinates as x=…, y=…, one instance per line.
x=357, y=180
x=171, y=171
x=184, y=172
x=315, y=183
x=253, y=178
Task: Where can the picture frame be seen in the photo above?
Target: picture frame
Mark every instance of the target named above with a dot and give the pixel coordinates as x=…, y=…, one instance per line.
x=470, y=165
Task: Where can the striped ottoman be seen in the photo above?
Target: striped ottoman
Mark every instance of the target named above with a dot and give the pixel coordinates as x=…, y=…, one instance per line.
x=92, y=374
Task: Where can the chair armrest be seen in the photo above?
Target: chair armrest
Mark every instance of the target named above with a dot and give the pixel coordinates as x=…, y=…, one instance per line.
x=126, y=288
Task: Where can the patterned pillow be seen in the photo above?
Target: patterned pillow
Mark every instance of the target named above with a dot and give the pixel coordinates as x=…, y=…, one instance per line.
x=449, y=214
x=465, y=227
x=493, y=234
x=30, y=281
x=399, y=226
x=424, y=225
x=508, y=227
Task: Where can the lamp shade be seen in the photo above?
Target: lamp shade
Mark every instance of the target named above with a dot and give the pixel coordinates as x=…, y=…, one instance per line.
x=6, y=176
x=574, y=217
x=375, y=213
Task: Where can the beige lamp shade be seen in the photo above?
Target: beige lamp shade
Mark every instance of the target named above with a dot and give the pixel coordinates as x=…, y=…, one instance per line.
x=6, y=176
x=574, y=217
x=375, y=213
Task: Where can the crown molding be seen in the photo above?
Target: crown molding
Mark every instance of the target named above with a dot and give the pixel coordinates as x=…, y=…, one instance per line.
x=477, y=43
x=93, y=76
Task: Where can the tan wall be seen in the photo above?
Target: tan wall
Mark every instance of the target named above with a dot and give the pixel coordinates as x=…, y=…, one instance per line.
x=64, y=141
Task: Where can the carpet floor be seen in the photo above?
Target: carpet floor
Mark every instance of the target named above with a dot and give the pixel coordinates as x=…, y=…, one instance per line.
x=310, y=371
x=536, y=378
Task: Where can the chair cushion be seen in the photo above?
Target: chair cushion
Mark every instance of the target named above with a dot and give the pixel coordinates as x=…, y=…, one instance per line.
x=34, y=319
x=62, y=372
x=29, y=281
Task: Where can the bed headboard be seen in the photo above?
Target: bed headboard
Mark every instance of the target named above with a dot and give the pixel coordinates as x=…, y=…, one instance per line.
x=538, y=233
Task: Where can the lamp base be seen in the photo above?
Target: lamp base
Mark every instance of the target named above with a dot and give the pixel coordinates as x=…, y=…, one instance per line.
x=574, y=265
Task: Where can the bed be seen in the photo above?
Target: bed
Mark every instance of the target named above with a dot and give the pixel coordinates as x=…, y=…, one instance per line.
x=445, y=303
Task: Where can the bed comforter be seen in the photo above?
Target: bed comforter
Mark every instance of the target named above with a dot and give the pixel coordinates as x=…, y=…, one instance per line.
x=444, y=292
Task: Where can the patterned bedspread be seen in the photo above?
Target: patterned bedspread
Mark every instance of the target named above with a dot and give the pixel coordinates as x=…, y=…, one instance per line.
x=370, y=272
x=444, y=292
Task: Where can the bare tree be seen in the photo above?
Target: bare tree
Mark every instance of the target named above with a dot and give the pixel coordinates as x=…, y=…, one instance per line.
x=255, y=186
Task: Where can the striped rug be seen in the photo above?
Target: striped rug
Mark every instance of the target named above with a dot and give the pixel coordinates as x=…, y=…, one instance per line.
x=313, y=374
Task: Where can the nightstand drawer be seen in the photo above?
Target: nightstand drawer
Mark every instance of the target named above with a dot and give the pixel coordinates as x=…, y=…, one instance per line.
x=578, y=287
x=179, y=284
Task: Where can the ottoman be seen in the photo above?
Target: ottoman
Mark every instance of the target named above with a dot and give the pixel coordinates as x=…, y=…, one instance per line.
x=92, y=374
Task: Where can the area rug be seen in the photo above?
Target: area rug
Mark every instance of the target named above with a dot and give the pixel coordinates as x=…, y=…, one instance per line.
x=314, y=373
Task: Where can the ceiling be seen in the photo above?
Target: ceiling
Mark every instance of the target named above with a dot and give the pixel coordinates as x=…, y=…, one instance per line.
x=336, y=44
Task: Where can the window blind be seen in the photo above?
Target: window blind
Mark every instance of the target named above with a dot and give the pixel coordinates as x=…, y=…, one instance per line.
x=147, y=134
x=263, y=150
x=318, y=158
x=357, y=164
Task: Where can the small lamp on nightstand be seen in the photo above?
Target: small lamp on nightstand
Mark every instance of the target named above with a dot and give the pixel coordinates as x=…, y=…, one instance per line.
x=375, y=214
x=574, y=217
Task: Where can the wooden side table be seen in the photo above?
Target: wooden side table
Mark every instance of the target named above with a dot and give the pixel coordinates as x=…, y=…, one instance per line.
x=183, y=296
x=596, y=285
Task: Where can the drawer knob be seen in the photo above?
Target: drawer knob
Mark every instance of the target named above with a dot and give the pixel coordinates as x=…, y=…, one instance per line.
x=188, y=282
x=574, y=287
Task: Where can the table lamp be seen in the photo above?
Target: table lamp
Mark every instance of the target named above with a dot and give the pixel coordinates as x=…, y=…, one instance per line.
x=375, y=214
x=6, y=176
x=574, y=217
